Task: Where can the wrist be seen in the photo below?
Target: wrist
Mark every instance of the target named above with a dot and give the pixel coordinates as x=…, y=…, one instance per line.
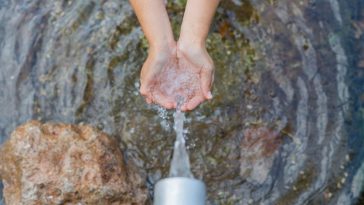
x=166, y=46
x=162, y=52
x=190, y=46
x=186, y=39
x=163, y=41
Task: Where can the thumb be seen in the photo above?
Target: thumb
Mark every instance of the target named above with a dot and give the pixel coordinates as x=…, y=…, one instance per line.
x=206, y=81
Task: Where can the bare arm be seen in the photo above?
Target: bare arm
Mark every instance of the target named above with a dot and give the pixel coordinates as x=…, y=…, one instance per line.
x=197, y=20
x=156, y=26
x=155, y=23
x=191, y=44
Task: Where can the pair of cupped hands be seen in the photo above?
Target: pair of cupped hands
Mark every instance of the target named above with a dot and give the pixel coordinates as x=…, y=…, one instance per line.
x=177, y=74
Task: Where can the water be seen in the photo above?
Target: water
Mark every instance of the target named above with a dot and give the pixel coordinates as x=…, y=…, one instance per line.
x=289, y=70
x=180, y=165
x=1, y=194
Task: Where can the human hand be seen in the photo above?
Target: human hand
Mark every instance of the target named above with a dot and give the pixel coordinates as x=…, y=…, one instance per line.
x=194, y=58
x=172, y=73
x=164, y=78
x=159, y=59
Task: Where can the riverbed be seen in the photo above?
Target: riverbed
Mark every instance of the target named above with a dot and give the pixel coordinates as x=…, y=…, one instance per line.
x=286, y=122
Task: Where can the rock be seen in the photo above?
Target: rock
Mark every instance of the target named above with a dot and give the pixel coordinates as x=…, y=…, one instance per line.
x=361, y=64
x=358, y=28
x=361, y=59
x=258, y=150
x=66, y=164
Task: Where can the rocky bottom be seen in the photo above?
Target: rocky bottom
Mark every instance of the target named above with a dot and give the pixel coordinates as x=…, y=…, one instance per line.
x=66, y=164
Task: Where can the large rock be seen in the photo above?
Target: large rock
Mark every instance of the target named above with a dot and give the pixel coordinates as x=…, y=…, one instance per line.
x=66, y=164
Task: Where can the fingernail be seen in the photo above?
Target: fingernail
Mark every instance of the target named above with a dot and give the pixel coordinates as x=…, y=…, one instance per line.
x=209, y=95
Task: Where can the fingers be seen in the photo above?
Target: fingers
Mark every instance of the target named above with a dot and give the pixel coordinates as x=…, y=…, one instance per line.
x=145, y=91
x=149, y=101
x=193, y=103
x=198, y=59
x=206, y=76
x=163, y=100
x=213, y=79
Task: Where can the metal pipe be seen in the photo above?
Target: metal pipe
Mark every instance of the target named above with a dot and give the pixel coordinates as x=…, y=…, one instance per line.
x=179, y=191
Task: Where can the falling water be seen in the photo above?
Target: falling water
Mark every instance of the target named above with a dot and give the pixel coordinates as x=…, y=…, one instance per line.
x=180, y=165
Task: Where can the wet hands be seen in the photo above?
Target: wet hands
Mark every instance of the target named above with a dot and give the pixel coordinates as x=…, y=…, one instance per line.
x=193, y=58
x=159, y=59
x=170, y=72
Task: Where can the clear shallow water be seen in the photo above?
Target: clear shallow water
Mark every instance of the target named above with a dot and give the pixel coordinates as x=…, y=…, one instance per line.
x=289, y=70
x=180, y=164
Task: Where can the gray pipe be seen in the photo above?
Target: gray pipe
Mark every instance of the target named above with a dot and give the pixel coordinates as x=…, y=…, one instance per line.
x=179, y=191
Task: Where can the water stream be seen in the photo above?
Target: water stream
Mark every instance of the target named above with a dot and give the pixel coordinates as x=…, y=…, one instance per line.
x=286, y=122
x=180, y=165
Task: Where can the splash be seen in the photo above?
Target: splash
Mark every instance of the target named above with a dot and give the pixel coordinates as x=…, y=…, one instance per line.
x=179, y=82
x=180, y=165
x=178, y=78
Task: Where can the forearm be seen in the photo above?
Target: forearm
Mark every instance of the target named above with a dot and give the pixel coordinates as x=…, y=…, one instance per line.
x=155, y=23
x=197, y=20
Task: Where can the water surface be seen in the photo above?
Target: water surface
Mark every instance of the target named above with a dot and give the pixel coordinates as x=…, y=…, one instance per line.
x=286, y=122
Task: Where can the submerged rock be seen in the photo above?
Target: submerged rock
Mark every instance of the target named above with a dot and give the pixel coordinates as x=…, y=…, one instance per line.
x=258, y=150
x=66, y=164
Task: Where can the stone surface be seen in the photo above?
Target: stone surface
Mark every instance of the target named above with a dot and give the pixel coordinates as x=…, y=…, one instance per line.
x=66, y=164
x=258, y=150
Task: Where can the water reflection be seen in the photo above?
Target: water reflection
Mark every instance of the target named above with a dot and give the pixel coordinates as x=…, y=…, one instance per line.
x=289, y=70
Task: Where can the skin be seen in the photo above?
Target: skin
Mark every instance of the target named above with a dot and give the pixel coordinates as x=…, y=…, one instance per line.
x=192, y=45
x=164, y=52
x=156, y=26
